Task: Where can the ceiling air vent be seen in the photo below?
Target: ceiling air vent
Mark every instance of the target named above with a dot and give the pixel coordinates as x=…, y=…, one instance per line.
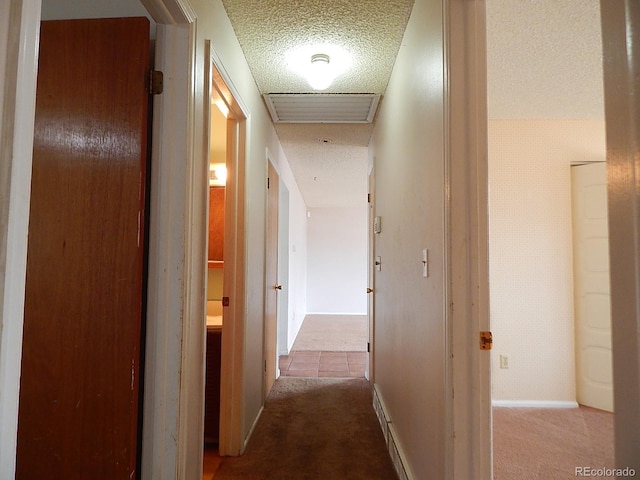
x=322, y=107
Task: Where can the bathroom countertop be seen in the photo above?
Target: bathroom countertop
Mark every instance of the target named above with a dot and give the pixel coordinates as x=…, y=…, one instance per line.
x=214, y=322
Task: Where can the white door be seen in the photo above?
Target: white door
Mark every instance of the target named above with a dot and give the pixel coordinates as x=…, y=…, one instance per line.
x=368, y=372
x=271, y=281
x=594, y=372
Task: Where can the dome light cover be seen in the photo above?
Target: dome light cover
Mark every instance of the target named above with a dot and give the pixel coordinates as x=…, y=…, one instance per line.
x=319, y=69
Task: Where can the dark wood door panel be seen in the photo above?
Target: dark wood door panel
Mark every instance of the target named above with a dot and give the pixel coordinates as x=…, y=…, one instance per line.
x=79, y=390
x=216, y=223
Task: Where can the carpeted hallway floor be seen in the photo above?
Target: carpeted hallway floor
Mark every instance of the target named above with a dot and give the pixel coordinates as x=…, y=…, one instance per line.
x=314, y=429
x=550, y=443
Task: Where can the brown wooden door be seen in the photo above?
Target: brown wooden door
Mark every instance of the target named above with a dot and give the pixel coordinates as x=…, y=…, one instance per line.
x=271, y=267
x=80, y=378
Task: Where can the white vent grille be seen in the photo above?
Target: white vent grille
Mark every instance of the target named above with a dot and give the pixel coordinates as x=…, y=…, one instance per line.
x=322, y=108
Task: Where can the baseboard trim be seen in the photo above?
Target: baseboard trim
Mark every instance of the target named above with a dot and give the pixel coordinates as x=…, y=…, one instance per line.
x=381, y=413
x=397, y=456
x=253, y=426
x=533, y=404
x=390, y=437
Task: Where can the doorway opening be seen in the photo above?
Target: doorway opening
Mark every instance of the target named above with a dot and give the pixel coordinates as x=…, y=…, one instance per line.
x=332, y=340
x=225, y=273
x=532, y=144
x=215, y=280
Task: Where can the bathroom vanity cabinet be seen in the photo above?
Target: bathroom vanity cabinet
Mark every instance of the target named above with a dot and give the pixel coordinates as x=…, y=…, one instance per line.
x=212, y=385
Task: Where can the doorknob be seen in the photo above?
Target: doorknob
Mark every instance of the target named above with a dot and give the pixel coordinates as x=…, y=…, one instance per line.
x=369, y=290
x=278, y=287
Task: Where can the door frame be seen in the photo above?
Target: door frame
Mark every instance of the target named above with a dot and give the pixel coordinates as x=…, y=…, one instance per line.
x=469, y=421
x=282, y=333
x=232, y=359
x=19, y=25
x=620, y=27
x=169, y=413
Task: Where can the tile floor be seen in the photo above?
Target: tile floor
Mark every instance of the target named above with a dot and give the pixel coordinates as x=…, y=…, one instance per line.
x=303, y=363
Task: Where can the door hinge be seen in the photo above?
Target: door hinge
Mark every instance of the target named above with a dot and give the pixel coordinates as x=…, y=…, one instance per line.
x=486, y=340
x=265, y=366
x=156, y=82
x=368, y=347
x=368, y=198
x=268, y=183
x=225, y=301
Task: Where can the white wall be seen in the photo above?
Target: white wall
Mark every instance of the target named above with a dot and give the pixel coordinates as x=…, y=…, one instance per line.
x=298, y=251
x=410, y=330
x=337, y=260
x=530, y=252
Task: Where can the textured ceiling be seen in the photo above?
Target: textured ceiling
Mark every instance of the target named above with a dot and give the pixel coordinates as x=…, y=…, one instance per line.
x=369, y=30
x=544, y=60
x=332, y=173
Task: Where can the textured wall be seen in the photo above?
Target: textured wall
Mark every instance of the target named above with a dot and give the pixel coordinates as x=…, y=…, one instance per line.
x=530, y=252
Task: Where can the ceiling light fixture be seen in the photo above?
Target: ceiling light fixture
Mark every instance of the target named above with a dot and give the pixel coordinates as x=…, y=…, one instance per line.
x=320, y=75
x=217, y=174
x=319, y=64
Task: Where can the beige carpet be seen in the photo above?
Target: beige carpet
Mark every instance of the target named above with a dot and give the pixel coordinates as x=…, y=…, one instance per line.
x=333, y=333
x=549, y=444
x=314, y=429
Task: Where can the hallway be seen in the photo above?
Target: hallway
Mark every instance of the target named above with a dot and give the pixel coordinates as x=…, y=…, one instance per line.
x=328, y=350
x=412, y=169
x=314, y=428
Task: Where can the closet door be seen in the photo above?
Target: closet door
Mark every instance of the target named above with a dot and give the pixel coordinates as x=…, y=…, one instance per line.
x=80, y=378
